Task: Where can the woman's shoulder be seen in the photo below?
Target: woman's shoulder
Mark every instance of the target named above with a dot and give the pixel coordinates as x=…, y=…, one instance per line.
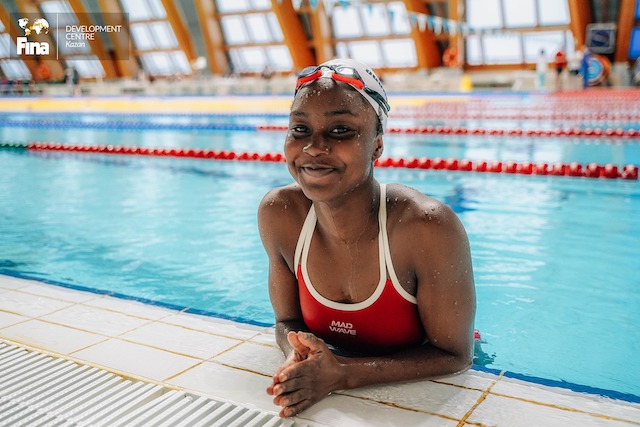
x=411, y=211
x=409, y=200
x=284, y=206
x=284, y=197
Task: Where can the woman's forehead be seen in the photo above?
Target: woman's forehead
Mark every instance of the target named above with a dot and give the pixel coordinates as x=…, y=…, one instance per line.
x=328, y=92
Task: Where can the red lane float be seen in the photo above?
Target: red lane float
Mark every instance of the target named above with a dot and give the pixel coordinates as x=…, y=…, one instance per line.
x=591, y=170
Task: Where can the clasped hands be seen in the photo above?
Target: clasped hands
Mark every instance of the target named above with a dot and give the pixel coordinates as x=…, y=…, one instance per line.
x=310, y=373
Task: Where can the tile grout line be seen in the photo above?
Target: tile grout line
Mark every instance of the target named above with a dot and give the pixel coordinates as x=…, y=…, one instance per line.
x=397, y=406
x=568, y=409
x=481, y=399
x=121, y=337
x=161, y=320
x=211, y=359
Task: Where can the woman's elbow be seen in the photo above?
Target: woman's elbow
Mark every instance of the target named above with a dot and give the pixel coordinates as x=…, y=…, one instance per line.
x=461, y=362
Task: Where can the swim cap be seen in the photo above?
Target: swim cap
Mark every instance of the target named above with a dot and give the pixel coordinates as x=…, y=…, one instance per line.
x=372, y=86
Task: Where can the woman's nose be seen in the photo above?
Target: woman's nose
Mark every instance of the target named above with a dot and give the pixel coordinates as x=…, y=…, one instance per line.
x=316, y=146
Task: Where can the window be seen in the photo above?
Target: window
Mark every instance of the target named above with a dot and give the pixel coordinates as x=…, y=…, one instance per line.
x=13, y=69
x=550, y=42
x=59, y=14
x=502, y=48
x=154, y=39
x=398, y=17
x=513, y=31
x=484, y=14
x=346, y=22
x=553, y=12
x=253, y=35
x=374, y=33
x=519, y=13
x=399, y=53
x=375, y=20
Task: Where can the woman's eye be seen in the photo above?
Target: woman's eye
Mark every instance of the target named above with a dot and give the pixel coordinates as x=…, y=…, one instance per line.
x=298, y=129
x=340, y=130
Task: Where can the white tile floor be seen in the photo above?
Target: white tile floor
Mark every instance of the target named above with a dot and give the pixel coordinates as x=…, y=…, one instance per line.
x=232, y=361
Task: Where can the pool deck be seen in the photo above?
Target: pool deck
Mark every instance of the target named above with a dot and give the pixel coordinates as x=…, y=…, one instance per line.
x=234, y=362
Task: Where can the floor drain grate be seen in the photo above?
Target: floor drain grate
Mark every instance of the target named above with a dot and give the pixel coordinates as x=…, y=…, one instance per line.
x=41, y=390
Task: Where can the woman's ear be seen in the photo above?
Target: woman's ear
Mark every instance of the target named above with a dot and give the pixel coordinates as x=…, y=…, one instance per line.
x=379, y=148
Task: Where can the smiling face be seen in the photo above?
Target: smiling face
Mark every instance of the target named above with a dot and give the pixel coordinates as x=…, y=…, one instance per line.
x=332, y=140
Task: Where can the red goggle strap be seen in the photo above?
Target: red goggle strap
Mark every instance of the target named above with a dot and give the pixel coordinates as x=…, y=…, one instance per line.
x=306, y=79
x=357, y=83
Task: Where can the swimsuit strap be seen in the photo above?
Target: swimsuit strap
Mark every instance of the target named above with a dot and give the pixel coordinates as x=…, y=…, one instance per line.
x=305, y=234
x=385, y=244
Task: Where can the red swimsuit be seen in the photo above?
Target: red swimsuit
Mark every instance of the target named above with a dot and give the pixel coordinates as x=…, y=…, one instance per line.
x=388, y=321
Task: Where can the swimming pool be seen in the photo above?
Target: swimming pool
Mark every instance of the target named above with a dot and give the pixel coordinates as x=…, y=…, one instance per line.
x=554, y=258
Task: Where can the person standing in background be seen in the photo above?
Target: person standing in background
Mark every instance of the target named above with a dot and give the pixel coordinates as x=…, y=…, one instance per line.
x=44, y=74
x=541, y=69
x=560, y=61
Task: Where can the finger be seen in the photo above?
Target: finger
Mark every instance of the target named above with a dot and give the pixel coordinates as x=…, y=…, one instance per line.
x=270, y=388
x=311, y=341
x=291, y=399
x=290, y=372
x=294, y=340
x=289, y=386
x=290, y=411
x=276, y=375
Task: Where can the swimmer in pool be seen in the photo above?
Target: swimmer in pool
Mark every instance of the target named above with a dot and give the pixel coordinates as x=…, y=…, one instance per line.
x=370, y=283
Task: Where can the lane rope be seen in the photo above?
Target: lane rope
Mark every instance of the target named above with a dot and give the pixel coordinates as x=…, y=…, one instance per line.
x=576, y=131
x=573, y=169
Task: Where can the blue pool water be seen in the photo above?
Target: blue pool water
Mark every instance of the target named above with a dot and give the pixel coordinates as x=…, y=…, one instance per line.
x=555, y=259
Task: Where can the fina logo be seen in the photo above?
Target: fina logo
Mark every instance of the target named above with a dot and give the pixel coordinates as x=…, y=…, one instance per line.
x=24, y=46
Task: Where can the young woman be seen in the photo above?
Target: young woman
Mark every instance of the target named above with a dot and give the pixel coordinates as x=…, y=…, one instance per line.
x=370, y=283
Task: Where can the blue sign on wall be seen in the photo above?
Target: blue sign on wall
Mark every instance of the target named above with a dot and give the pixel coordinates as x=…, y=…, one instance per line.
x=601, y=38
x=634, y=44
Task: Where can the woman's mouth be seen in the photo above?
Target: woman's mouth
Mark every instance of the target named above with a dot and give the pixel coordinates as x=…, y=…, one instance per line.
x=317, y=170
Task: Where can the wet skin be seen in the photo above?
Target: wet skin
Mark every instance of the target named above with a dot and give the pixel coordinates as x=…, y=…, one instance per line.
x=330, y=147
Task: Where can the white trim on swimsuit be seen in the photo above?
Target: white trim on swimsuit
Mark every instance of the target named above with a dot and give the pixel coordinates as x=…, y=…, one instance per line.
x=386, y=265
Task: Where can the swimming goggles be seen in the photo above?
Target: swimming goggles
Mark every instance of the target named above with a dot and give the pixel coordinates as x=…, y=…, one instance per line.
x=341, y=73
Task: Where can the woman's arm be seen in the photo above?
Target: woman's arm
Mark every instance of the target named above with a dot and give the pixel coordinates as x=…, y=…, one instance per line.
x=279, y=232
